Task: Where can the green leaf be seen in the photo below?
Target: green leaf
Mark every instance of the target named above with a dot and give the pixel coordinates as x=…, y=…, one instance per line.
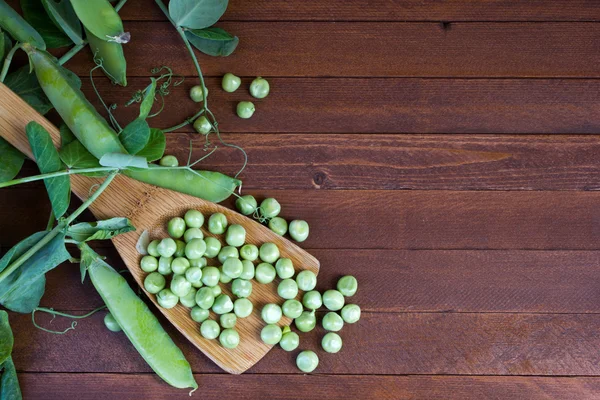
x=155, y=148
x=213, y=41
x=27, y=87
x=63, y=16
x=6, y=344
x=148, y=100
x=120, y=160
x=11, y=161
x=75, y=155
x=9, y=384
x=66, y=135
x=7, y=45
x=100, y=230
x=36, y=15
x=135, y=136
x=196, y=14
x=99, y=17
x=48, y=160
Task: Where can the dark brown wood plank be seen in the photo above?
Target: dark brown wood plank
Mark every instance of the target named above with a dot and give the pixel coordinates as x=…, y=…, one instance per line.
x=313, y=386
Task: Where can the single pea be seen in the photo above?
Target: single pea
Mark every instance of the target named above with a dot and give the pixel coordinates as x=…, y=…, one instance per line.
x=154, y=282
x=271, y=334
x=292, y=308
x=224, y=278
x=180, y=249
x=246, y=204
x=245, y=109
x=312, y=300
x=278, y=225
x=228, y=252
x=332, y=342
x=242, y=307
x=265, y=273
x=169, y=161
x=285, y=268
x=230, y=82
x=249, y=252
x=179, y=265
x=197, y=285
x=229, y=338
x=167, y=299
x=180, y=286
x=233, y=267
x=306, y=322
x=298, y=230
x=194, y=219
x=195, y=248
x=333, y=300
x=193, y=233
x=270, y=208
x=271, y=313
x=198, y=262
x=193, y=275
x=228, y=320
x=111, y=323
x=202, y=125
x=149, y=264
x=347, y=285
x=259, y=88
x=307, y=361
x=205, y=298
x=217, y=223
x=269, y=252
x=289, y=341
x=153, y=248
x=248, y=271
x=199, y=314
x=197, y=93
x=167, y=247
x=210, y=329
x=241, y=288
x=306, y=280
x=216, y=290
x=189, y=300
x=210, y=276
x=213, y=247
x=332, y=322
x=236, y=235
x=287, y=289
x=164, y=265
x=176, y=227
x=351, y=313
x=223, y=304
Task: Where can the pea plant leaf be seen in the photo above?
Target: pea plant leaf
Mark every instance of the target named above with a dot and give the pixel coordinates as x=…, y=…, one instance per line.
x=100, y=230
x=213, y=41
x=196, y=14
x=9, y=384
x=27, y=87
x=155, y=148
x=121, y=161
x=6, y=45
x=48, y=160
x=11, y=161
x=135, y=135
x=36, y=15
x=76, y=156
x=148, y=101
x=63, y=16
x=6, y=344
x=66, y=135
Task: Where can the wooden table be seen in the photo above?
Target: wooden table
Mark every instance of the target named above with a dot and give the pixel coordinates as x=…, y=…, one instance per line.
x=437, y=150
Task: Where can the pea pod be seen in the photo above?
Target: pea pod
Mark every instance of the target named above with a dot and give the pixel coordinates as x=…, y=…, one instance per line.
x=113, y=59
x=100, y=18
x=139, y=324
x=18, y=28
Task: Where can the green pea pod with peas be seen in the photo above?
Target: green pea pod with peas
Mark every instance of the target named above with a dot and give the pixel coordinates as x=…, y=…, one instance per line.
x=18, y=28
x=111, y=56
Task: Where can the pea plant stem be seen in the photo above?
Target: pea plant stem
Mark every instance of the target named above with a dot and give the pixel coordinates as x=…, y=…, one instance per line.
x=50, y=221
x=54, y=175
x=7, y=61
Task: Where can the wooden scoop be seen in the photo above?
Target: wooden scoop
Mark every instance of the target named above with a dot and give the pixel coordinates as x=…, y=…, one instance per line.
x=149, y=208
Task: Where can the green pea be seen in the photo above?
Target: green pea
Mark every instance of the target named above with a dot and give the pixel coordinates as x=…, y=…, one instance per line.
x=167, y=299
x=228, y=320
x=271, y=313
x=284, y=268
x=298, y=230
x=248, y=270
x=111, y=323
x=180, y=249
x=249, y=252
x=198, y=262
x=154, y=282
x=179, y=265
x=246, y=204
x=230, y=82
x=153, y=248
x=245, y=109
x=229, y=338
x=180, y=286
x=347, y=285
x=217, y=223
x=332, y=322
x=312, y=300
x=169, y=161
x=194, y=219
x=202, y=125
x=197, y=285
x=241, y=288
x=195, y=248
x=259, y=88
x=271, y=334
x=193, y=233
x=223, y=304
x=270, y=208
x=167, y=247
x=210, y=276
x=164, y=265
x=306, y=322
x=224, y=278
x=351, y=313
x=228, y=252
x=242, y=308
x=189, y=300
x=269, y=252
x=193, y=275
x=149, y=264
x=306, y=280
x=205, y=298
x=278, y=225
x=210, y=329
x=197, y=93
x=233, y=267
x=216, y=290
x=333, y=300
x=307, y=361
x=289, y=341
x=199, y=314
x=332, y=342
x=176, y=227
x=287, y=289
x=265, y=273
x=292, y=308
x=213, y=247
x=236, y=235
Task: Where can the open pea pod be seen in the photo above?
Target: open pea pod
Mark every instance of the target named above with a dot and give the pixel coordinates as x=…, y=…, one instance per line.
x=18, y=28
x=110, y=56
x=101, y=19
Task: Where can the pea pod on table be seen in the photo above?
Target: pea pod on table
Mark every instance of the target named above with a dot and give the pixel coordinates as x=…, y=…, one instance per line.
x=100, y=18
x=112, y=58
x=18, y=28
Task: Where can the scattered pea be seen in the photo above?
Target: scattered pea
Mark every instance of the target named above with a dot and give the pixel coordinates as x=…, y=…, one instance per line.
x=167, y=299
x=189, y=300
x=332, y=322
x=202, y=125
x=230, y=82
x=259, y=88
x=194, y=219
x=111, y=323
x=180, y=286
x=213, y=247
x=287, y=289
x=265, y=273
x=205, y=298
x=193, y=233
x=347, y=285
x=245, y=109
x=307, y=361
x=229, y=338
x=210, y=276
x=241, y=288
x=248, y=271
x=269, y=252
x=216, y=290
x=217, y=223
x=249, y=252
x=333, y=300
x=351, y=313
x=298, y=230
x=278, y=225
x=224, y=278
x=149, y=264
x=193, y=275
x=195, y=248
x=210, y=329
x=285, y=268
x=223, y=304
x=199, y=314
x=242, y=308
x=164, y=265
x=306, y=322
x=246, y=204
x=332, y=342
x=289, y=341
x=292, y=308
x=198, y=262
x=197, y=93
x=176, y=227
x=154, y=282
x=312, y=300
x=271, y=313
x=270, y=208
x=228, y=320
x=227, y=252
x=271, y=334
x=179, y=265
x=180, y=248
x=235, y=236
x=306, y=280
x=166, y=247
x=153, y=248
x=233, y=267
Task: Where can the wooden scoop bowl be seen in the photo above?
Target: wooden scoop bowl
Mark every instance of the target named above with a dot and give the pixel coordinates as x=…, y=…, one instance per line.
x=149, y=208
